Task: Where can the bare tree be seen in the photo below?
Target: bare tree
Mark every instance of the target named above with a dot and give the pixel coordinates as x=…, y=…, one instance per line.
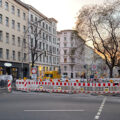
x=100, y=25
x=35, y=36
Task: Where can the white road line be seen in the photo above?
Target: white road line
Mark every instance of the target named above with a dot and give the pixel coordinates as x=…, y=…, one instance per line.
x=100, y=109
x=53, y=110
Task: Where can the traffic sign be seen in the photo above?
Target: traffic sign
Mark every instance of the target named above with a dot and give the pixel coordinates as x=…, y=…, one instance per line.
x=34, y=70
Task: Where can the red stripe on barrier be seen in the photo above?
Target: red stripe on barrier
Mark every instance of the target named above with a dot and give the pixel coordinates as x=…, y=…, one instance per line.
x=56, y=83
x=60, y=83
x=74, y=84
x=88, y=84
x=79, y=84
x=53, y=83
x=22, y=82
x=36, y=82
x=65, y=84
x=104, y=84
x=9, y=84
x=108, y=84
x=77, y=80
x=99, y=84
x=83, y=84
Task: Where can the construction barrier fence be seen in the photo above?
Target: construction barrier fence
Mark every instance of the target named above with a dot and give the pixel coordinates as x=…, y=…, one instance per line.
x=67, y=86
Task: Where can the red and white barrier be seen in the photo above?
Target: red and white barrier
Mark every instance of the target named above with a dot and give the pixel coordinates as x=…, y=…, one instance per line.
x=67, y=86
x=9, y=85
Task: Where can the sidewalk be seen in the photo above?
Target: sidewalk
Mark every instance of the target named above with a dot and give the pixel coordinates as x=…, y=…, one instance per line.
x=3, y=90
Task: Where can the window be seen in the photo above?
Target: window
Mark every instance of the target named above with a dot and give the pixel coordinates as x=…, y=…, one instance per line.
x=13, y=24
x=13, y=39
x=65, y=52
x=1, y=35
x=0, y=3
x=13, y=55
x=46, y=37
x=7, y=37
x=65, y=45
x=43, y=58
x=65, y=39
x=35, y=19
x=1, y=53
x=24, y=16
x=0, y=18
x=24, y=29
x=46, y=27
x=49, y=38
x=49, y=29
x=24, y=56
x=47, y=59
x=40, y=45
x=47, y=47
x=18, y=41
x=31, y=42
x=43, y=46
x=43, y=25
x=18, y=26
x=65, y=68
x=7, y=54
x=43, y=35
x=7, y=21
x=32, y=18
x=18, y=12
x=31, y=29
x=19, y=56
x=6, y=6
x=65, y=60
x=40, y=57
x=13, y=9
x=24, y=43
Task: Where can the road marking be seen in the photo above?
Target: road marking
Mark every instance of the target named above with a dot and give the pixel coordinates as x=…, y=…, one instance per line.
x=53, y=110
x=100, y=109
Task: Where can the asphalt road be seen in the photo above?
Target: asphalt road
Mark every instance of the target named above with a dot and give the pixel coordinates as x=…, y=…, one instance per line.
x=45, y=106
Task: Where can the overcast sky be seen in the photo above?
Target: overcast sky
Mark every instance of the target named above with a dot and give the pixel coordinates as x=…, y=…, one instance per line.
x=64, y=11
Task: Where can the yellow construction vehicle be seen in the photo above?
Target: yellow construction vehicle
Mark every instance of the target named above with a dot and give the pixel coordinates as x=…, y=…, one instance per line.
x=51, y=75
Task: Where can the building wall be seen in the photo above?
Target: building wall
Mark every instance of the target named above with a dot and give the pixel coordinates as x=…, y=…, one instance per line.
x=72, y=65
x=13, y=32
x=47, y=41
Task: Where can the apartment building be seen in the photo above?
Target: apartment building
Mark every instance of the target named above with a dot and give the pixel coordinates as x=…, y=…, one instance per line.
x=43, y=42
x=13, y=48
x=71, y=53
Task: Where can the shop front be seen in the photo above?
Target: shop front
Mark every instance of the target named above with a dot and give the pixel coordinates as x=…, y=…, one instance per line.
x=14, y=69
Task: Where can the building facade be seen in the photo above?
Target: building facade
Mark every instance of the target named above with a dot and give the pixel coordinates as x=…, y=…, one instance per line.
x=71, y=54
x=13, y=23
x=94, y=64
x=43, y=41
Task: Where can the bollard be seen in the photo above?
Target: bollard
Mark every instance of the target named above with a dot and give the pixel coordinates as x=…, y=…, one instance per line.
x=9, y=86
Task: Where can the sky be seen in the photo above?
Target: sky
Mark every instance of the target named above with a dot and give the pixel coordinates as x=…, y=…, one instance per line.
x=64, y=11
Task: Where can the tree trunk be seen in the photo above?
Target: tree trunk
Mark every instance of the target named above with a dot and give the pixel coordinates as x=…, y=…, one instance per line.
x=111, y=72
x=33, y=60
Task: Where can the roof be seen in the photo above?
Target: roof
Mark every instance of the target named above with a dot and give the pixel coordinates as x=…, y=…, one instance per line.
x=22, y=3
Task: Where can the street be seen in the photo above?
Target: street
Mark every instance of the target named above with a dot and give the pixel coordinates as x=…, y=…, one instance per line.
x=46, y=106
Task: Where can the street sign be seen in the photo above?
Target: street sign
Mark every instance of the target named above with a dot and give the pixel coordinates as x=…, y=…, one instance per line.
x=34, y=72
